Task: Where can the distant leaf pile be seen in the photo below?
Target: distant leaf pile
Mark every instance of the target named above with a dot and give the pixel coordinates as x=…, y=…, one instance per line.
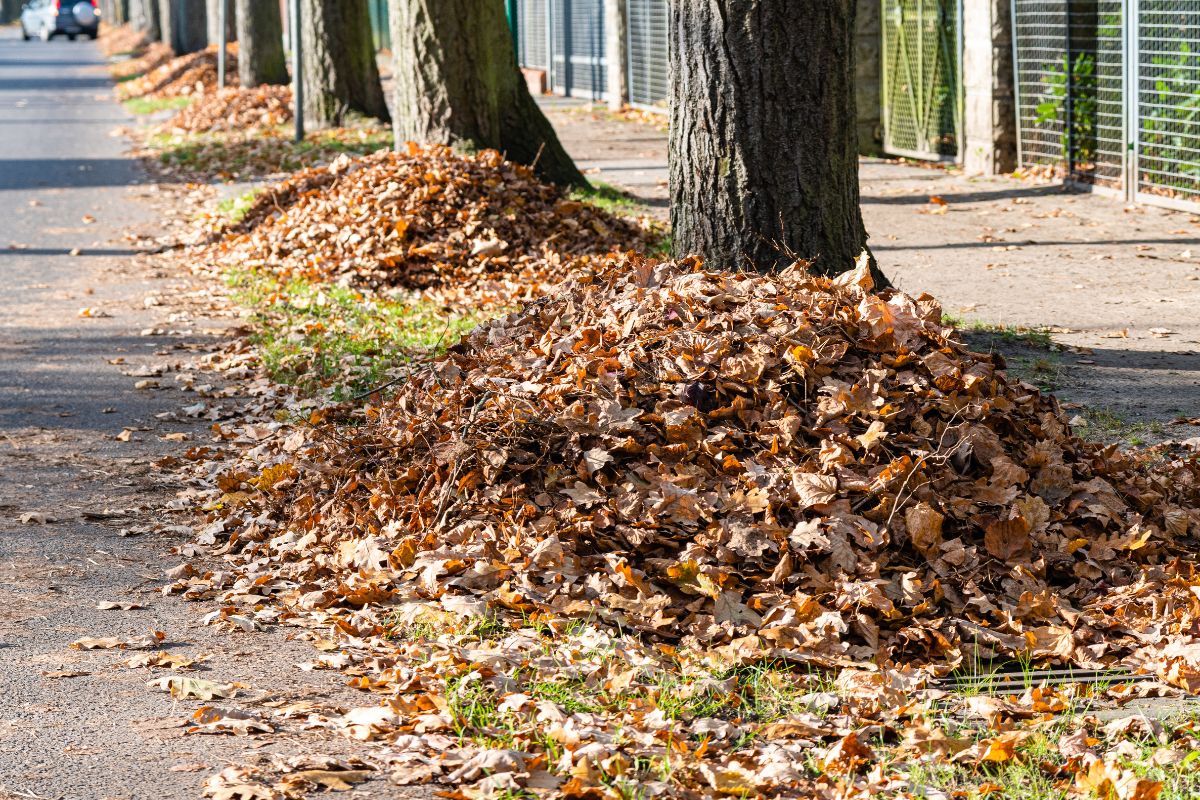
x=701, y=456
x=121, y=40
x=460, y=226
x=183, y=76
x=234, y=109
x=152, y=57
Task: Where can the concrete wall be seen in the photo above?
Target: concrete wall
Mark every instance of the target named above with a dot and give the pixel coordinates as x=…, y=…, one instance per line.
x=989, y=111
x=869, y=70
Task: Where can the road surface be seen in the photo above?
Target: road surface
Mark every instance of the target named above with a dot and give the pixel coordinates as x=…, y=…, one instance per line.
x=76, y=724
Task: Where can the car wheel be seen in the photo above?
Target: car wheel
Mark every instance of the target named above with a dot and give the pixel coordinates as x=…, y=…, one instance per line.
x=93, y=34
x=72, y=36
x=25, y=34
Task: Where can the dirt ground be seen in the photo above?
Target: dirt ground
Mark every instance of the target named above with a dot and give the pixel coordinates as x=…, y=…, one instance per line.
x=1116, y=287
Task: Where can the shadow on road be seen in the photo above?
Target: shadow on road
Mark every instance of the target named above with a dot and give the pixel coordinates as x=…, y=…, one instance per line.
x=66, y=251
x=66, y=173
x=1029, y=243
x=71, y=83
x=954, y=198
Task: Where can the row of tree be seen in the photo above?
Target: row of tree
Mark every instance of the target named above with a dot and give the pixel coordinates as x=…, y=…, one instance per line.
x=763, y=154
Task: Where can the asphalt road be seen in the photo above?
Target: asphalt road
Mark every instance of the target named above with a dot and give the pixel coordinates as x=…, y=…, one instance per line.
x=78, y=724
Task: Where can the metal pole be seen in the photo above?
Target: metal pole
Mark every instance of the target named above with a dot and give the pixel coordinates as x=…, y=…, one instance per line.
x=223, y=42
x=297, y=71
x=510, y=9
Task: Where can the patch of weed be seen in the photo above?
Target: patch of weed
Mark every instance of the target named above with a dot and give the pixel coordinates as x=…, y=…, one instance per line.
x=231, y=156
x=1109, y=425
x=608, y=198
x=235, y=208
x=988, y=333
x=320, y=337
x=152, y=105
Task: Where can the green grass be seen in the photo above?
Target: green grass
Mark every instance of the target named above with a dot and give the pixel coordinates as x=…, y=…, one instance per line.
x=321, y=337
x=231, y=156
x=1108, y=425
x=1037, y=337
x=235, y=208
x=608, y=198
x=1044, y=372
x=663, y=248
x=152, y=105
x=759, y=693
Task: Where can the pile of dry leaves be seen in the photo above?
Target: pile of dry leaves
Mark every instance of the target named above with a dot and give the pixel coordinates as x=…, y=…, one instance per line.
x=182, y=76
x=681, y=492
x=234, y=109
x=151, y=58
x=470, y=228
x=121, y=40
x=703, y=456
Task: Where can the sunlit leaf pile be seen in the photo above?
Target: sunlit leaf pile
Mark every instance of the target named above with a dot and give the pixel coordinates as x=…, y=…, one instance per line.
x=703, y=456
x=182, y=76
x=469, y=228
x=678, y=491
x=235, y=109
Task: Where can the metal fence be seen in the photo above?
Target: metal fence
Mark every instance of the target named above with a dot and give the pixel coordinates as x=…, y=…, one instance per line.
x=1167, y=120
x=922, y=95
x=578, y=67
x=1108, y=95
x=647, y=55
x=381, y=32
x=533, y=34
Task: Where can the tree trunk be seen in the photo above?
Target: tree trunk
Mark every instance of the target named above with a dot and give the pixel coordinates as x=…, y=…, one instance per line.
x=260, y=44
x=457, y=83
x=184, y=25
x=763, y=150
x=213, y=27
x=144, y=16
x=340, y=72
x=10, y=10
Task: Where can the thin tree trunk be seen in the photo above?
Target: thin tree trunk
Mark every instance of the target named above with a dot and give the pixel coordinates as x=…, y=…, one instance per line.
x=184, y=25
x=340, y=72
x=260, y=43
x=213, y=9
x=144, y=16
x=457, y=83
x=9, y=11
x=763, y=150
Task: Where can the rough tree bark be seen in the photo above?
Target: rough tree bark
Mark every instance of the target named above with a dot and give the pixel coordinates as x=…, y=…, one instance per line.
x=260, y=44
x=457, y=82
x=763, y=150
x=144, y=16
x=340, y=72
x=184, y=25
x=213, y=8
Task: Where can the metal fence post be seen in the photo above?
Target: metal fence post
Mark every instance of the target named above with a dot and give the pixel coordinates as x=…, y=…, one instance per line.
x=223, y=42
x=297, y=71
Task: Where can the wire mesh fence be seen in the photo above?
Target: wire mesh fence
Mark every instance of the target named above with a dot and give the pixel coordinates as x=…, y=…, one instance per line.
x=922, y=100
x=578, y=66
x=648, y=70
x=1168, y=100
x=533, y=34
x=1108, y=94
